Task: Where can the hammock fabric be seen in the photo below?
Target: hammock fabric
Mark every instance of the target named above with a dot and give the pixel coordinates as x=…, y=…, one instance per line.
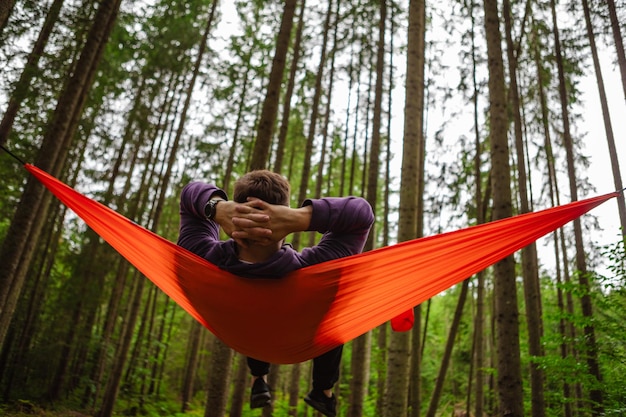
x=314, y=309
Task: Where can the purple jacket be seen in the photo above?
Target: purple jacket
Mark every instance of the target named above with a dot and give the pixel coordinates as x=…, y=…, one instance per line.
x=345, y=223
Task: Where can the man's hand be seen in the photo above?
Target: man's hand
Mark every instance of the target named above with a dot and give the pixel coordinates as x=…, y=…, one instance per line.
x=255, y=218
x=257, y=229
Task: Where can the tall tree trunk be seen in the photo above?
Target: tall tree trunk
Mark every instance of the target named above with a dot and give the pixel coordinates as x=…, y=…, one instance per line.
x=6, y=7
x=25, y=227
x=366, y=133
x=510, y=392
x=284, y=125
x=219, y=379
x=412, y=178
x=479, y=321
x=234, y=147
x=374, y=165
x=445, y=361
x=567, y=412
x=110, y=395
x=361, y=347
x=294, y=389
x=23, y=84
x=328, y=110
x=530, y=269
x=270, y=105
x=359, y=370
x=380, y=363
x=319, y=179
x=606, y=116
x=191, y=365
x=591, y=353
x=239, y=387
x=308, y=152
x=417, y=19
x=619, y=44
x=346, y=133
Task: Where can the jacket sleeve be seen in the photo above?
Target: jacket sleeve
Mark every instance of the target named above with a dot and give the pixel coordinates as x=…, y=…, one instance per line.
x=345, y=223
x=196, y=233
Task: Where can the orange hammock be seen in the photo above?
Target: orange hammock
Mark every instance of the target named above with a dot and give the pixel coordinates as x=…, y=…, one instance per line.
x=314, y=309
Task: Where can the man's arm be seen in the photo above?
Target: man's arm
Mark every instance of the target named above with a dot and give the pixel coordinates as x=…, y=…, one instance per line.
x=197, y=232
x=345, y=223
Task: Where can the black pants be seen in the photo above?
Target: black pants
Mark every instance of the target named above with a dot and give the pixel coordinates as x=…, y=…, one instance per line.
x=325, y=368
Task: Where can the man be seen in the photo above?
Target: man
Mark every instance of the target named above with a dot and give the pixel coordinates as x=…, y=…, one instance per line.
x=258, y=220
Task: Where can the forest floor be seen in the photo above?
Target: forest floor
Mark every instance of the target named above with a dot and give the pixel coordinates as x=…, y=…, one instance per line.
x=28, y=409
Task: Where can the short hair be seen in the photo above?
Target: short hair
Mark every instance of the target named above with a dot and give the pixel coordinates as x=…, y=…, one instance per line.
x=265, y=185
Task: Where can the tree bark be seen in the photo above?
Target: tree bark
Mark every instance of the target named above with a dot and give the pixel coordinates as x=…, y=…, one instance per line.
x=219, y=379
x=294, y=389
x=595, y=394
x=239, y=387
x=412, y=178
x=552, y=185
x=308, y=152
x=191, y=365
x=619, y=44
x=530, y=269
x=295, y=60
x=510, y=392
x=360, y=365
x=479, y=320
x=6, y=7
x=374, y=165
x=606, y=116
x=270, y=105
x=445, y=361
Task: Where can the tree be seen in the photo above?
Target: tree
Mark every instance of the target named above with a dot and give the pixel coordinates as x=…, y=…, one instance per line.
x=410, y=194
x=267, y=120
x=295, y=60
x=619, y=44
x=506, y=310
x=219, y=379
x=317, y=93
x=606, y=116
x=5, y=12
x=445, y=361
x=581, y=263
x=532, y=294
x=553, y=193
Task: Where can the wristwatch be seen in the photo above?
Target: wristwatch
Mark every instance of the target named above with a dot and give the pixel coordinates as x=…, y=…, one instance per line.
x=210, y=208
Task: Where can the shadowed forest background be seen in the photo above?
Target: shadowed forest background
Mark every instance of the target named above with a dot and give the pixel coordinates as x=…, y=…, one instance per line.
x=441, y=114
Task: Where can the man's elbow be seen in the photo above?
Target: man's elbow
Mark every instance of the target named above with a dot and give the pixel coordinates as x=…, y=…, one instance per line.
x=364, y=211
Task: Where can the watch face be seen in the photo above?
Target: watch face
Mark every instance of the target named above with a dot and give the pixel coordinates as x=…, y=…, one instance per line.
x=209, y=209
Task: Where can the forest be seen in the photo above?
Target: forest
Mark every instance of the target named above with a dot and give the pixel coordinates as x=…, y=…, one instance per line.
x=442, y=115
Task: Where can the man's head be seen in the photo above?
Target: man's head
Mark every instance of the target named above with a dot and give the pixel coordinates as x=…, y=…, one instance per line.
x=265, y=185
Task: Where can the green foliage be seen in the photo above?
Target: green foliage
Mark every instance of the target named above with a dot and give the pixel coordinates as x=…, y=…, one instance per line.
x=610, y=303
x=609, y=300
